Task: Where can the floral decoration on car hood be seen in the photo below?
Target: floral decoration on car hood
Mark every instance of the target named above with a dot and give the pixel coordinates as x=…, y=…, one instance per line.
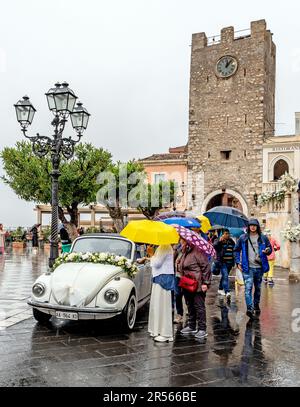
x=100, y=258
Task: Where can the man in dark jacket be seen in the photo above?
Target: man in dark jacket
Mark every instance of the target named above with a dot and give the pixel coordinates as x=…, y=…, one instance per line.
x=224, y=247
x=251, y=253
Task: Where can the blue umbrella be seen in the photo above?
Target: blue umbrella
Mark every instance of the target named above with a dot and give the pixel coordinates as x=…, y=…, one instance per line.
x=185, y=222
x=227, y=217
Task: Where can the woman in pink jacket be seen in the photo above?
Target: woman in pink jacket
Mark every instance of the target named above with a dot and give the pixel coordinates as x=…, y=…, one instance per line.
x=268, y=277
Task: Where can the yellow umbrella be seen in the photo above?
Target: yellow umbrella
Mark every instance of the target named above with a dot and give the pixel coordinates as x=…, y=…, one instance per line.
x=151, y=232
x=205, y=223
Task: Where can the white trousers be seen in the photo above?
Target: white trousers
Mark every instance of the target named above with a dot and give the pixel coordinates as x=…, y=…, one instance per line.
x=160, y=312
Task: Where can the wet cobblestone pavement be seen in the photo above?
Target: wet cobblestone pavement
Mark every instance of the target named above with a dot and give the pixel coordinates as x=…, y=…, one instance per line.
x=236, y=353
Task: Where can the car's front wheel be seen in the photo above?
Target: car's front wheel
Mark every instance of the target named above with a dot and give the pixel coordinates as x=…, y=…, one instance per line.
x=41, y=317
x=129, y=313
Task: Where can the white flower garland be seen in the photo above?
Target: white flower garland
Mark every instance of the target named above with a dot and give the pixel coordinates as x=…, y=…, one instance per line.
x=100, y=258
x=287, y=183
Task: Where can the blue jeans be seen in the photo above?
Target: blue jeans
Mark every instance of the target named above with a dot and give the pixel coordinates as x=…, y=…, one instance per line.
x=224, y=282
x=253, y=277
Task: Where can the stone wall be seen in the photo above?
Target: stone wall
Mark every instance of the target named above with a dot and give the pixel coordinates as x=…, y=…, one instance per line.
x=231, y=114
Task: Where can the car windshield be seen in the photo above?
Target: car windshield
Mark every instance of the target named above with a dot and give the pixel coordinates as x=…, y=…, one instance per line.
x=105, y=245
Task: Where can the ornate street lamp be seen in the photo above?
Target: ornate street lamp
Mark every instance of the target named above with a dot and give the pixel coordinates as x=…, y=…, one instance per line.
x=61, y=101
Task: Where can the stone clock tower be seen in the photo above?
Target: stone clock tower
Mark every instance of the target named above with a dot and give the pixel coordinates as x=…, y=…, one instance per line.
x=232, y=112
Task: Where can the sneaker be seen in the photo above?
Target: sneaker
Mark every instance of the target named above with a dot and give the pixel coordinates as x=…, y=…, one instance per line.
x=221, y=292
x=228, y=296
x=201, y=335
x=163, y=339
x=271, y=283
x=188, y=330
x=178, y=319
x=250, y=313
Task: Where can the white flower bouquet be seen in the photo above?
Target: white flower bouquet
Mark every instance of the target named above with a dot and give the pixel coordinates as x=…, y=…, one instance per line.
x=291, y=233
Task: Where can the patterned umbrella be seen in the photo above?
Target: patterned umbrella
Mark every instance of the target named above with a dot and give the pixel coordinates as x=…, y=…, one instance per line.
x=196, y=240
x=171, y=214
x=185, y=222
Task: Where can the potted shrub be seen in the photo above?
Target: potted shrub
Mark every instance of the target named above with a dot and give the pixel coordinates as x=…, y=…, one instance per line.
x=46, y=237
x=18, y=238
x=93, y=229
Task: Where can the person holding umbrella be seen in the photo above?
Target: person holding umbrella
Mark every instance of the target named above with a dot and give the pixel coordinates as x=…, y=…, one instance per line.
x=194, y=265
x=35, y=236
x=224, y=247
x=189, y=223
x=251, y=253
x=160, y=325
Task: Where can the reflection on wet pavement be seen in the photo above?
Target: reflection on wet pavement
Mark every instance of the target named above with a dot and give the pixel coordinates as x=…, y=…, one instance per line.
x=236, y=353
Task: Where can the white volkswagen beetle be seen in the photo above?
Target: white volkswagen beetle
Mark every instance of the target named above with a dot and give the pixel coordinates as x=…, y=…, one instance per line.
x=82, y=291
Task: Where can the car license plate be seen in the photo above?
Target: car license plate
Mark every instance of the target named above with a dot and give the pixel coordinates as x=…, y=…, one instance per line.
x=67, y=315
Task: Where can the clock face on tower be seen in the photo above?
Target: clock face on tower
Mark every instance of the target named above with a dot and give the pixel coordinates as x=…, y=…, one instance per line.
x=226, y=66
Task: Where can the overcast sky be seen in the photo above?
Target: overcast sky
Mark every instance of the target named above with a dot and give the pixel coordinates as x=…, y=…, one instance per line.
x=128, y=61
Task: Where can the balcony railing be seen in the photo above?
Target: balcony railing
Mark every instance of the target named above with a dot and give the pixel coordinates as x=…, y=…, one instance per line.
x=275, y=206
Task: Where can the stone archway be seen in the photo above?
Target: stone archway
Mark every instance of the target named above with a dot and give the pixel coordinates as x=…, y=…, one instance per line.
x=226, y=197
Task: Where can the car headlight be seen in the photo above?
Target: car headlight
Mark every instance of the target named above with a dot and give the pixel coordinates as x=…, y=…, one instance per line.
x=111, y=296
x=38, y=289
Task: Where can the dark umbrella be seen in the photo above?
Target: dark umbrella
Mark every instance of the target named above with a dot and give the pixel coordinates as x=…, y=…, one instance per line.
x=170, y=214
x=227, y=217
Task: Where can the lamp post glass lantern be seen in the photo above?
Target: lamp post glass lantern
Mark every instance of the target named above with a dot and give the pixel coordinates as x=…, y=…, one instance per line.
x=79, y=118
x=61, y=101
x=24, y=111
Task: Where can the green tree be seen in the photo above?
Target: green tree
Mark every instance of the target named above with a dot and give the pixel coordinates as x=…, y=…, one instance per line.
x=157, y=196
x=29, y=177
x=124, y=186
x=116, y=186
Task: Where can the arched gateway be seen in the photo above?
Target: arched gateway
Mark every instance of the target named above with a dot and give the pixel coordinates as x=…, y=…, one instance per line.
x=226, y=197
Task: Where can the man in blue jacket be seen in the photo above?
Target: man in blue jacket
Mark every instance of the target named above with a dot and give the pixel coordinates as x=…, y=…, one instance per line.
x=251, y=251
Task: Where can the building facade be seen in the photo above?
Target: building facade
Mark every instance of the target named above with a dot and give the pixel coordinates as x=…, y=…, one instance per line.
x=171, y=166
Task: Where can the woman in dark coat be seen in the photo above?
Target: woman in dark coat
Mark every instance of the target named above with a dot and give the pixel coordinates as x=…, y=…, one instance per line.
x=194, y=263
x=35, y=237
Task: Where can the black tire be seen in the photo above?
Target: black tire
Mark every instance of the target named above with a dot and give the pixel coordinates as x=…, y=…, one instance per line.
x=41, y=317
x=128, y=316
